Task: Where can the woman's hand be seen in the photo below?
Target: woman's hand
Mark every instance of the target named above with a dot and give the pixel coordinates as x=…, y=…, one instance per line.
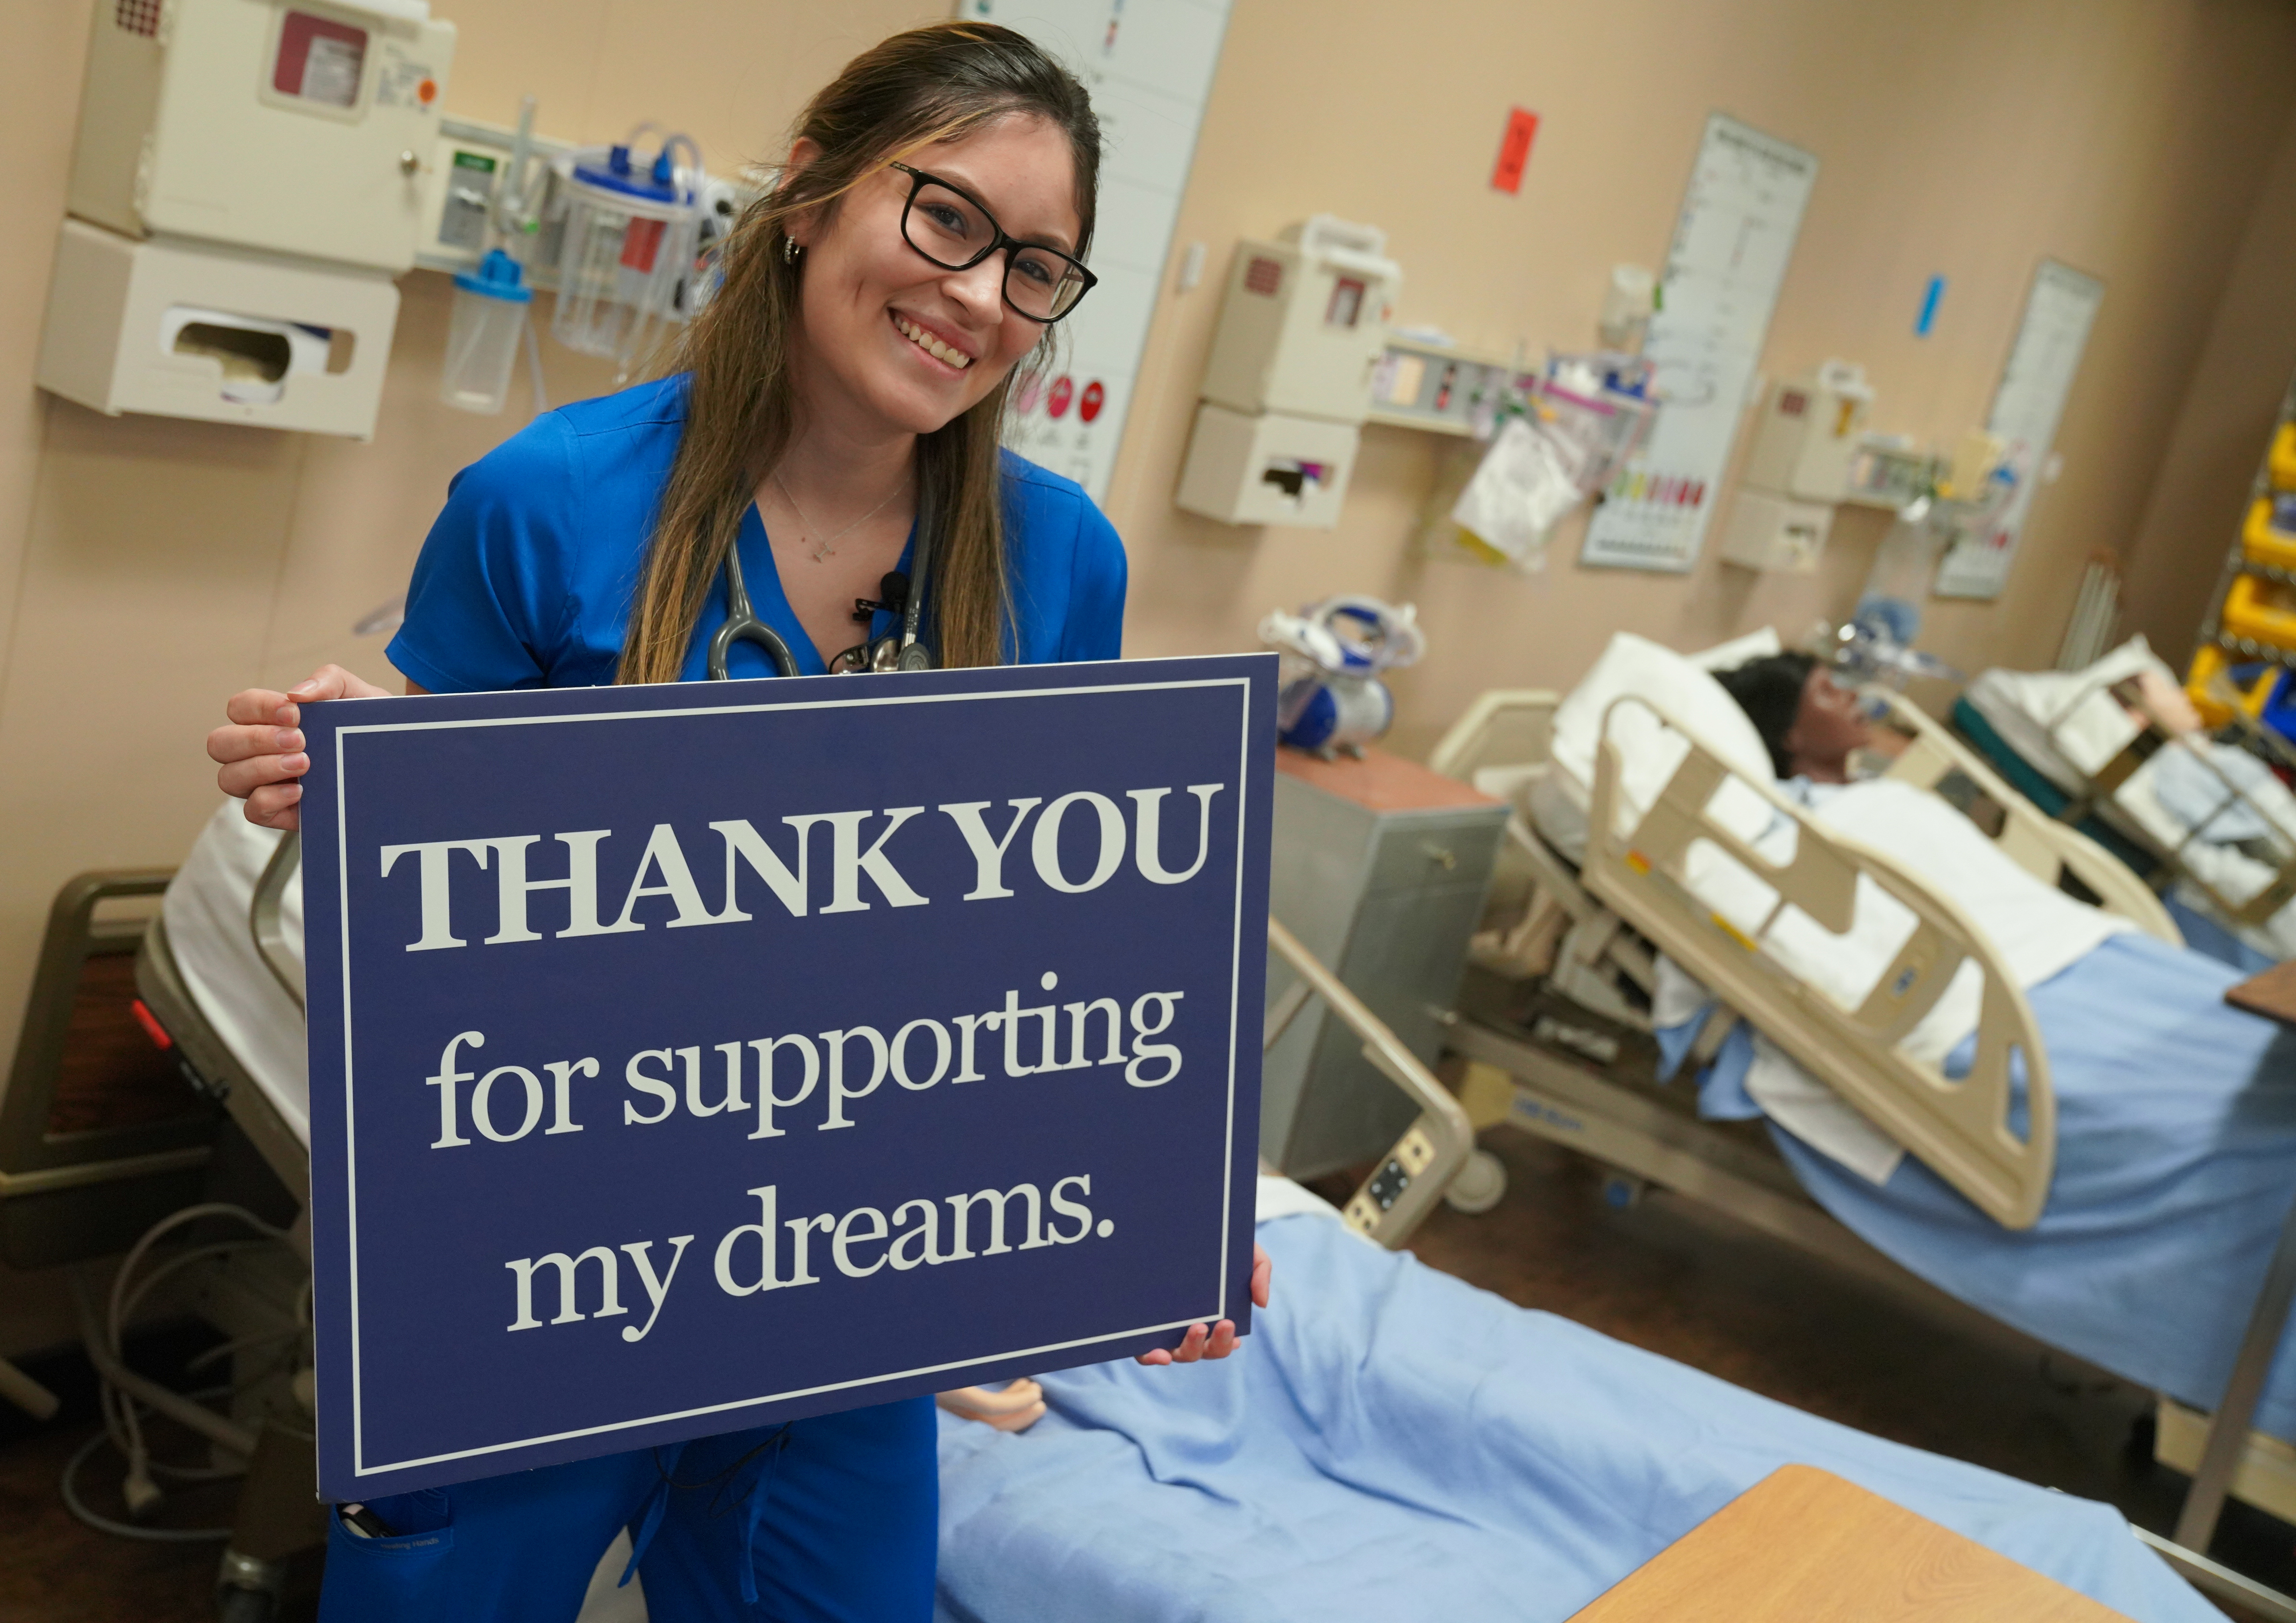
x=260, y=754
x=1215, y=1340
x=1016, y=1409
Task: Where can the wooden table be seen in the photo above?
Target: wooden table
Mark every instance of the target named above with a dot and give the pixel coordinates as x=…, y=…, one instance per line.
x=1802, y=1543
x=2272, y=994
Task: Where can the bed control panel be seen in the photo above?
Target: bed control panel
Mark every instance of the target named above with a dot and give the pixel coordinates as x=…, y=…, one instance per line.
x=1382, y=1192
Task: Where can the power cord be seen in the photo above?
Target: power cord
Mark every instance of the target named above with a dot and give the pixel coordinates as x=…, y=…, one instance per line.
x=123, y=1417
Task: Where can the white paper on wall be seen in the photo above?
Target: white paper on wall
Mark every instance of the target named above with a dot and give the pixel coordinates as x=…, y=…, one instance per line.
x=2027, y=407
x=1732, y=241
x=1149, y=65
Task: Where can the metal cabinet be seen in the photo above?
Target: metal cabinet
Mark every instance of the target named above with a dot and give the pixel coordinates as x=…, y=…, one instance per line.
x=1378, y=867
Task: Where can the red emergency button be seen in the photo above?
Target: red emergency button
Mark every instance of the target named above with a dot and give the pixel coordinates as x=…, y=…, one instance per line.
x=1058, y=404
x=1088, y=404
x=427, y=92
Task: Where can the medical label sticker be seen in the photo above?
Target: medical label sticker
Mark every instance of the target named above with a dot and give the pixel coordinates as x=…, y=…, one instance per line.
x=692, y=1058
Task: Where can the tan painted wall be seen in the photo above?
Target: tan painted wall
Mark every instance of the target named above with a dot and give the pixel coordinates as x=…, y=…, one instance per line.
x=1956, y=137
x=149, y=567
x=2201, y=495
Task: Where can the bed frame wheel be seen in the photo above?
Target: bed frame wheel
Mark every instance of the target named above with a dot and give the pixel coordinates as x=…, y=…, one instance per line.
x=1479, y=1185
x=1622, y=1190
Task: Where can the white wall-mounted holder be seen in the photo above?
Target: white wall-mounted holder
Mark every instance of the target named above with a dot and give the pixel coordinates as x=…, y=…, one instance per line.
x=1268, y=468
x=186, y=330
x=1776, y=533
x=277, y=125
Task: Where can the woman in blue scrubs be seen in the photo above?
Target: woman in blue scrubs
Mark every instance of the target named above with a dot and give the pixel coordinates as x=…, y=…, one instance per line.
x=844, y=388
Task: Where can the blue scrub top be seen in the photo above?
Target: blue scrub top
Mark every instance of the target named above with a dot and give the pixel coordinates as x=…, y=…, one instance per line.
x=527, y=577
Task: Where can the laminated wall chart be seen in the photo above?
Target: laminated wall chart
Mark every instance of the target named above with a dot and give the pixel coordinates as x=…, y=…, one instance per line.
x=1731, y=245
x=2027, y=408
x=1149, y=66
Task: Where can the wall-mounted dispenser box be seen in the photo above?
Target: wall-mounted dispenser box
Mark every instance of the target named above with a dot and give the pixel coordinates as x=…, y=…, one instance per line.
x=184, y=329
x=1268, y=468
x=1765, y=531
x=296, y=127
x=1810, y=429
x=1304, y=321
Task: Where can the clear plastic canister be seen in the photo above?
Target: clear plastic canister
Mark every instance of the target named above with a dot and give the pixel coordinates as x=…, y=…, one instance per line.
x=628, y=245
x=482, y=337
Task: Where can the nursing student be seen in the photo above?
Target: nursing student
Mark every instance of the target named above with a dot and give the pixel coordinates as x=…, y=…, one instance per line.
x=846, y=385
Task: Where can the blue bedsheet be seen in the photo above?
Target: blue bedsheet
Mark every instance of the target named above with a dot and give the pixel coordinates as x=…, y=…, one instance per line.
x=2176, y=1166
x=1392, y=1443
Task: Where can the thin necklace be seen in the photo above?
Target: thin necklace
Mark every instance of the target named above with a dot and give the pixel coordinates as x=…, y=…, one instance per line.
x=825, y=546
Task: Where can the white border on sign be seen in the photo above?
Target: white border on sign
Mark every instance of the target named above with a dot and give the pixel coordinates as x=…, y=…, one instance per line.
x=359, y=1467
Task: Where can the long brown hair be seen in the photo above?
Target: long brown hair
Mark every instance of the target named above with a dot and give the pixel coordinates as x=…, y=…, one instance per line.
x=927, y=84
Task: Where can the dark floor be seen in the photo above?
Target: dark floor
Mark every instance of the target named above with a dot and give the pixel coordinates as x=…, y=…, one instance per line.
x=1662, y=1274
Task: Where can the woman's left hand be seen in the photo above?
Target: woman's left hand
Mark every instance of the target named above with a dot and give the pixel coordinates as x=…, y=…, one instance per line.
x=1215, y=1340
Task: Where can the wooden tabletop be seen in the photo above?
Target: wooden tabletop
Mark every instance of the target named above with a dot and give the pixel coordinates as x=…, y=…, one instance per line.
x=2272, y=994
x=1380, y=781
x=1802, y=1543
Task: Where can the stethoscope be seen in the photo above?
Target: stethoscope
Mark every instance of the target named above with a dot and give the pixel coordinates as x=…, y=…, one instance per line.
x=904, y=650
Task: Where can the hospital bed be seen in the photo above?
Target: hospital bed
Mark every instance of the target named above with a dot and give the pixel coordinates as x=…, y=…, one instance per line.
x=2205, y=819
x=1396, y=1442
x=1978, y=1064
x=1331, y=1460
x=219, y=973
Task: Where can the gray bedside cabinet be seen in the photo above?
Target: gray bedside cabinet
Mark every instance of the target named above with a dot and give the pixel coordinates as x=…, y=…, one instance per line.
x=1378, y=867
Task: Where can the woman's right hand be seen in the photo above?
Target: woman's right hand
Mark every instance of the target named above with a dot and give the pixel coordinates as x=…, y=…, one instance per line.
x=260, y=753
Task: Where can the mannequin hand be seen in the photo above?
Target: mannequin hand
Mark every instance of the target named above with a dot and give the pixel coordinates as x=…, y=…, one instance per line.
x=260, y=754
x=1016, y=1409
x=1215, y=1340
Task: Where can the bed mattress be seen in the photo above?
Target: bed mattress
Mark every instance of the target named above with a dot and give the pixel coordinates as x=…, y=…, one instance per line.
x=206, y=912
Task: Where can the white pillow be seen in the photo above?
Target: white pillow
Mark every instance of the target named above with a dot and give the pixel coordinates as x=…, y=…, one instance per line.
x=1638, y=668
x=1739, y=650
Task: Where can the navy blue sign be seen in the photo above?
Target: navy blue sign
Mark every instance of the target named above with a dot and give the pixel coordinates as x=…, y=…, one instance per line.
x=689, y=1058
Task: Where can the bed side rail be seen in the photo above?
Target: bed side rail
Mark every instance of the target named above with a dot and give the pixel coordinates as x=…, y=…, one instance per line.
x=263, y=916
x=1504, y=726
x=1412, y=1176
x=1959, y=1129
x=2042, y=846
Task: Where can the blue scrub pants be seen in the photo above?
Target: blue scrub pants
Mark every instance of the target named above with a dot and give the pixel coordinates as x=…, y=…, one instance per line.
x=831, y=1518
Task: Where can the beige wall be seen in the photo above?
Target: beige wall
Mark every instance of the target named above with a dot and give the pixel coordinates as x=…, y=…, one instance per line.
x=1956, y=137
x=2200, y=496
x=148, y=566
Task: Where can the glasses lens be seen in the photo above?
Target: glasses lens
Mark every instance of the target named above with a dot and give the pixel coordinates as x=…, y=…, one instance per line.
x=1041, y=282
x=946, y=228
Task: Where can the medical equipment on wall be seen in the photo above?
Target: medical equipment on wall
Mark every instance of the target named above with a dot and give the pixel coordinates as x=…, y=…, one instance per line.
x=485, y=334
x=1889, y=606
x=259, y=163
x=620, y=232
x=1629, y=303
x=1809, y=430
x=1558, y=439
x=1330, y=697
x=1301, y=331
x=1809, y=433
x=173, y=329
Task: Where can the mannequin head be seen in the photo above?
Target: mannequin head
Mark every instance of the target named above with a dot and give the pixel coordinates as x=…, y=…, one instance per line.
x=1810, y=723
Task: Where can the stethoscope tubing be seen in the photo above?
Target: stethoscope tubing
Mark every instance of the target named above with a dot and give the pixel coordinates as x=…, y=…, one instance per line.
x=743, y=623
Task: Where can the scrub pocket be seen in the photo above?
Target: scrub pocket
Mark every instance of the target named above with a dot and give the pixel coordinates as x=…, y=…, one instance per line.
x=388, y=1581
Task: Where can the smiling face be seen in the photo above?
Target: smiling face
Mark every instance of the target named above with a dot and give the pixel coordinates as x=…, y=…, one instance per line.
x=891, y=343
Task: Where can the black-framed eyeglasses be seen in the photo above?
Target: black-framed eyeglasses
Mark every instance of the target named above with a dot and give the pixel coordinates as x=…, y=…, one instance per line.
x=954, y=230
